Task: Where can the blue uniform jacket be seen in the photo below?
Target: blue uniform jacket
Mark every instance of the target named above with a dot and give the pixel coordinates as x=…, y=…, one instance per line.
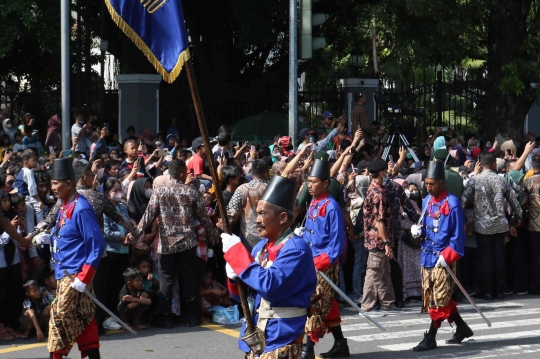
x=289, y=282
x=326, y=234
x=451, y=233
x=79, y=245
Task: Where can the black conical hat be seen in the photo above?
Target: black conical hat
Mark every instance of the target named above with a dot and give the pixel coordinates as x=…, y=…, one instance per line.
x=281, y=191
x=320, y=169
x=436, y=170
x=62, y=169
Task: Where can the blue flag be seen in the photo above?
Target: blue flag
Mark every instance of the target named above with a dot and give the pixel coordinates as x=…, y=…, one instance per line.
x=157, y=28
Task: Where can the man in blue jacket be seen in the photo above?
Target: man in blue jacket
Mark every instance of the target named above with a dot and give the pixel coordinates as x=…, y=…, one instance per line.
x=77, y=245
x=279, y=269
x=443, y=241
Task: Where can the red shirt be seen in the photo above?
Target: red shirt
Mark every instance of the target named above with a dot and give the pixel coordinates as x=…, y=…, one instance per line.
x=197, y=163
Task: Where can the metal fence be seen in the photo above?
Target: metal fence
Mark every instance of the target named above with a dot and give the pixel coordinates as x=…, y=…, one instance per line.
x=448, y=98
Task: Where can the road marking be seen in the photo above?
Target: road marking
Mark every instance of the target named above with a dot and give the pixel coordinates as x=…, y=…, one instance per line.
x=22, y=347
x=445, y=329
x=416, y=309
x=17, y=348
x=472, y=341
x=426, y=320
x=492, y=352
x=223, y=330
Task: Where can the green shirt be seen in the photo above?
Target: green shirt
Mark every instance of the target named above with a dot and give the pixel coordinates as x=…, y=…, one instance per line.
x=334, y=188
x=454, y=182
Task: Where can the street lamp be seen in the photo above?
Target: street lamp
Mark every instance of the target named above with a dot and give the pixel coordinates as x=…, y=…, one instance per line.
x=357, y=60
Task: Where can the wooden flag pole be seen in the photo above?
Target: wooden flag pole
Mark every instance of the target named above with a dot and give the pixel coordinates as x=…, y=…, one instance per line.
x=221, y=203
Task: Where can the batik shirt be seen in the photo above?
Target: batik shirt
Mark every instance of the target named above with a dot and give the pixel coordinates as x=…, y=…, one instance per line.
x=101, y=205
x=243, y=208
x=178, y=206
x=398, y=200
x=36, y=304
x=532, y=187
x=376, y=209
x=489, y=192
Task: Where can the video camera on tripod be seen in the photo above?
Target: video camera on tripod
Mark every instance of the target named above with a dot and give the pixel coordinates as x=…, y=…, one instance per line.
x=392, y=114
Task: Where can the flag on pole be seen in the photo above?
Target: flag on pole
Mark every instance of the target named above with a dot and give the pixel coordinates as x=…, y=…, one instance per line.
x=157, y=28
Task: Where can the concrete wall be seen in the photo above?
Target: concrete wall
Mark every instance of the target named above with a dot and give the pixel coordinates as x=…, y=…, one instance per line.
x=349, y=86
x=138, y=106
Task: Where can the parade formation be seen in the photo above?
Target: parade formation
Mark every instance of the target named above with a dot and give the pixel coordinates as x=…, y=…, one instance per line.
x=349, y=200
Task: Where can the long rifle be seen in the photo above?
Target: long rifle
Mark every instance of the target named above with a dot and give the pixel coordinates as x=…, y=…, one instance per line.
x=250, y=329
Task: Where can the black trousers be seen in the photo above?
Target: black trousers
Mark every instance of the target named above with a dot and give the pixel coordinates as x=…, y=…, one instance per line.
x=11, y=295
x=187, y=267
x=471, y=270
x=99, y=284
x=526, y=261
x=117, y=265
x=492, y=258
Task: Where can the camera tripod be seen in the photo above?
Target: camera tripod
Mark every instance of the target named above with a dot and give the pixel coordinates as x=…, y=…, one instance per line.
x=390, y=141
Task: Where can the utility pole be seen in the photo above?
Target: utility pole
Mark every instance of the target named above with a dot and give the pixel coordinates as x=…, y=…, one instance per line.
x=65, y=33
x=293, y=71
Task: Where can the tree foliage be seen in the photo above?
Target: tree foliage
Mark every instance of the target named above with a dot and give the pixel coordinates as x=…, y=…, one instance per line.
x=241, y=44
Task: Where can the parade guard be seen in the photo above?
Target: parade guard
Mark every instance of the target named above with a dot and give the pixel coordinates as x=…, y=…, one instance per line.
x=324, y=232
x=442, y=230
x=77, y=245
x=279, y=270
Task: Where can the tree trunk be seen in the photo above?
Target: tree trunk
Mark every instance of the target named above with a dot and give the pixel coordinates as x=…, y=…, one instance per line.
x=504, y=113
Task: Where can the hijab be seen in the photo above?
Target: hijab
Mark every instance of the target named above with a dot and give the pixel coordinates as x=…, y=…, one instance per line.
x=137, y=201
x=169, y=147
x=10, y=247
x=9, y=131
x=514, y=177
x=440, y=142
x=462, y=156
x=54, y=125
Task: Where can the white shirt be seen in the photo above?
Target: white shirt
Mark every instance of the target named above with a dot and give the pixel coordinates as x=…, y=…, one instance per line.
x=28, y=177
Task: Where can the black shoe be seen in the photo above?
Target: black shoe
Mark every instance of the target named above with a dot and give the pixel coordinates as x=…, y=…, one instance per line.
x=428, y=343
x=461, y=333
x=499, y=296
x=400, y=304
x=195, y=321
x=165, y=322
x=488, y=296
x=308, y=352
x=478, y=295
x=534, y=291
x=93, y=353
x=339, y=350
x=101, y=331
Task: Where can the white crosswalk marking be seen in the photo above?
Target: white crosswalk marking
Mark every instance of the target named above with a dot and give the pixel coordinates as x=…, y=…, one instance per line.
x=476, y=340
x=424, y=319
x=444, y=329
x=514, y=332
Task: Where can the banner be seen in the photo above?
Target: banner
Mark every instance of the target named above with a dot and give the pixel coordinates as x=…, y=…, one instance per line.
x=157, y=28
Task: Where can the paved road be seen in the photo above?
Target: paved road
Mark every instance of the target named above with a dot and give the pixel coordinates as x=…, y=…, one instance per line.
x=515, y=333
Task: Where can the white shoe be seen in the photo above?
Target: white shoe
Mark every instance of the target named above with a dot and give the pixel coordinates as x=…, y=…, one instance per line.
x=111, y=324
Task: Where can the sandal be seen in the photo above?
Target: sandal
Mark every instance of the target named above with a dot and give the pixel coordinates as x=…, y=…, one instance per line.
x=13, y=333
x=25, y=335
x=5, y=336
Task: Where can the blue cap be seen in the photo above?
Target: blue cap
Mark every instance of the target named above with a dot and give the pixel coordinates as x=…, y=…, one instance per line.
x=327, y=114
